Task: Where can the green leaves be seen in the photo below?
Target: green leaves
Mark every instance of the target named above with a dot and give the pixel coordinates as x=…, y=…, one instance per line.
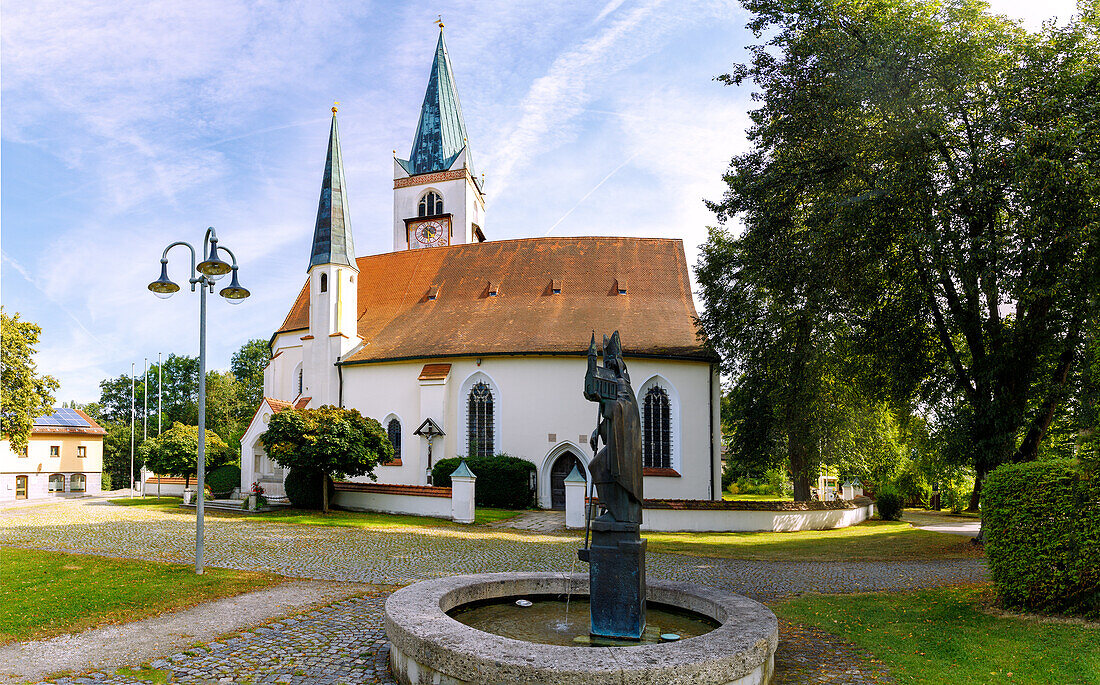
x=24, y=393
x=329, y=439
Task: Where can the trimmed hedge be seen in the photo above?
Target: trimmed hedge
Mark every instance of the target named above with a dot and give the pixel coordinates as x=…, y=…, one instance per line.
x=223, y=479
x=502, y=481
x=1042, y=536
x=890, y=504
x=303, y=488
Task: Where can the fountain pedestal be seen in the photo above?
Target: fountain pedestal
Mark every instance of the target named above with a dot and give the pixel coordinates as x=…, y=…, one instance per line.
x=616, y=561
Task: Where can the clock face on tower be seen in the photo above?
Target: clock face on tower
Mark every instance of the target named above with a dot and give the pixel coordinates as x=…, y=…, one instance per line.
x=430, y=232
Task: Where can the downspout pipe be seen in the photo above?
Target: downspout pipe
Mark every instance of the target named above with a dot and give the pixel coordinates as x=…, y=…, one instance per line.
x=711, y=404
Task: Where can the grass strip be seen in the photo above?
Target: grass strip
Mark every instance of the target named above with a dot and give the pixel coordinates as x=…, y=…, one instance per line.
x=947, y=636
x=869, y=541
x=43, y=594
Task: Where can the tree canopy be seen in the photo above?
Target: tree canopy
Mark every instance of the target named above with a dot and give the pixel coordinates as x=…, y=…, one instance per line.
x=175, y=451
x=921, y=210
x=25, y=394
x=329, y=440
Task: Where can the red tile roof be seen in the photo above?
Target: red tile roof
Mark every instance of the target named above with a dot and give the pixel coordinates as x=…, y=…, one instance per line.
x=397, y=320
x=434, y=372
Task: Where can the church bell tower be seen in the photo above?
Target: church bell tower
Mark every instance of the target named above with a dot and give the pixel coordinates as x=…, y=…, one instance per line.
x=437, y=198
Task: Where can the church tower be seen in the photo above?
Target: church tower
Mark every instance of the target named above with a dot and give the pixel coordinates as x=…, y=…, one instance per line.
x=437, y=199
x=332, y=284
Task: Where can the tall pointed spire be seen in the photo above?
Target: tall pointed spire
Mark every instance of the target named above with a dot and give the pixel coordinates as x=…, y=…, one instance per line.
x=441, y=133
x=332, y=234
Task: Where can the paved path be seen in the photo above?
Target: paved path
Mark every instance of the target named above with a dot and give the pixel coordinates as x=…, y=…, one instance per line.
x=943, y=523
x=344, y=643
x=113, y=646
x=548, y=521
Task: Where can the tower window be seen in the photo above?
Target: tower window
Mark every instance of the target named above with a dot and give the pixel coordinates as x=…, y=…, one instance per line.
x=431, y=204
x=657, y=429
x=324, y=283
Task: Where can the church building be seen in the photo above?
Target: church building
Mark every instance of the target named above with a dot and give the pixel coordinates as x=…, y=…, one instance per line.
x=486, y=340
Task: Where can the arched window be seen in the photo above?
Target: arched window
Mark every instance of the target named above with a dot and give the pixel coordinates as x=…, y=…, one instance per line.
x=479, y=414
x=57, y=482
x=76, y=482
x=301, y=386
x=393, y=431
x=431, y=204
x=657, y=429
x=324, y=283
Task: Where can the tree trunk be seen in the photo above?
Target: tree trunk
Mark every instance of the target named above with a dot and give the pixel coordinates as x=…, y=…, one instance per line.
x=324, y=493
x=797, y=453
x=186, y=480
x=976, y=495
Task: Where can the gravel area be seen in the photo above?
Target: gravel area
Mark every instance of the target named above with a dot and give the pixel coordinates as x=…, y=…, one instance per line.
x=345, y=643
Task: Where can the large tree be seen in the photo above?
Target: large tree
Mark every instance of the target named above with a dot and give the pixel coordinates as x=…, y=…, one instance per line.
x=248, y=366
x=329, y=441
x=24, y=393
x=939, y=168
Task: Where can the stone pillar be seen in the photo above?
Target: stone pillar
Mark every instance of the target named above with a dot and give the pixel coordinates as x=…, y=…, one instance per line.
x=575, y=487
x=462, y=494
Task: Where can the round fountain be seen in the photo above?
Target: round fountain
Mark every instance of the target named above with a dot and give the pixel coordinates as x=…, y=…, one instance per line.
x=429, y=643
x=517, y=627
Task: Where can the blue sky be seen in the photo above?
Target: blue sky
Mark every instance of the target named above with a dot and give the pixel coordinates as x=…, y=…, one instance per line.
x=126, y=127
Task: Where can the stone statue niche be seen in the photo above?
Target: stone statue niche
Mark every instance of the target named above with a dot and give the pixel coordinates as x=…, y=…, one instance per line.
x=616, y=556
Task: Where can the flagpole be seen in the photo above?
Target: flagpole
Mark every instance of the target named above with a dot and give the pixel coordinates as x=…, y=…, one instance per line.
x=131, y=430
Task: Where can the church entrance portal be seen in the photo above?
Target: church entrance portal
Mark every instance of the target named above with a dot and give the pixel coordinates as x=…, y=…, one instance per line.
x=563, y=465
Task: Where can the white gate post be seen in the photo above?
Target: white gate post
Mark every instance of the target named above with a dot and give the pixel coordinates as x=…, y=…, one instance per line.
x=575, y=486
x=462, y=494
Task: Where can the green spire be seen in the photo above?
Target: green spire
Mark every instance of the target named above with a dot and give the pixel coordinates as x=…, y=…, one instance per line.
x=441, y=133
x=332, y=234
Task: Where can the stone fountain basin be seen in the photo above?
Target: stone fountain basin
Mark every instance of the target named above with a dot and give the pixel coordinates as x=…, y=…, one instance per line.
x=428, y=646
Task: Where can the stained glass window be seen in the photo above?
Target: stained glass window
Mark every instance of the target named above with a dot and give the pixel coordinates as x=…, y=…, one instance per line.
x=657, y=429
x=479, y=414
x=393, y=431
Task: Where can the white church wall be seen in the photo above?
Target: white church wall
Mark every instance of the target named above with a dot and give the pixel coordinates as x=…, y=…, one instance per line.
x=280, y=376
x=457, y=200
x=535, y=399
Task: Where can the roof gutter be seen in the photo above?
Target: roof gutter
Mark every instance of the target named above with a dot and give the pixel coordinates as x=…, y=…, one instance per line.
x=707, y=358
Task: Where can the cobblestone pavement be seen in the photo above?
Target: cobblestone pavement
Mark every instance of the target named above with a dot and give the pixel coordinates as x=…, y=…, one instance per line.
x=537, y=521
x=345, y=643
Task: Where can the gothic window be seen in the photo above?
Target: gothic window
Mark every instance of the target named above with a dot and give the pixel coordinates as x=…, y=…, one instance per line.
x=431, y=204
x=393, y=431
x=479, y=415
x=300, y=385
x=657, y=429
x=324, y=283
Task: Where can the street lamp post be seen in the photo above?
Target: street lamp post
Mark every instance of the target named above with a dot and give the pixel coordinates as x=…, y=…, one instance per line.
x=203, y=275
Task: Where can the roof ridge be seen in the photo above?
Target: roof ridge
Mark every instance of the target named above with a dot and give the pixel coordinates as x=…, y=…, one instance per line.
x=490, y=243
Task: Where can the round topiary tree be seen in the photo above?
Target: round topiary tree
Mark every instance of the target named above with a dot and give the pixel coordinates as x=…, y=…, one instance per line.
x=303, y=488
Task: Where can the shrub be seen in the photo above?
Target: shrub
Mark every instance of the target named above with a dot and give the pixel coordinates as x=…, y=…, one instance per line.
x=223, y=479
x=728, y=476
x=303, y=488
x=1042, y=536
x=890, y=504
x=105, y=482
x=502, y=480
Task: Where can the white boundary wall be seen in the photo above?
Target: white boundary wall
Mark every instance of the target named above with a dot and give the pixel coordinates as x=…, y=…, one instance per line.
x=734, y=520
x=416, y=505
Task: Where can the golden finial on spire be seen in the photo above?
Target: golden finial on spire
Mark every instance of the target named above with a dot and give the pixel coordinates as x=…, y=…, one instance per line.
x=439, y=21
x=334, y=107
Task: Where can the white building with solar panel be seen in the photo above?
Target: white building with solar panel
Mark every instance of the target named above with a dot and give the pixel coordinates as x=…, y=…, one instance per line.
x=64, y=456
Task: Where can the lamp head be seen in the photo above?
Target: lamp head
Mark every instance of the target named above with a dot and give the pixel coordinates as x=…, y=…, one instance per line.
x=212, y=267
x=234, y=293
x=163, y=287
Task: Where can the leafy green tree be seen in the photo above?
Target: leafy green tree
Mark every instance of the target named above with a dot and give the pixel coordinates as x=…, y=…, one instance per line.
x=330, y=440
x=248, y=366
x=175, y=452
x=932, y=173
x=24, y=393
x=116, y=454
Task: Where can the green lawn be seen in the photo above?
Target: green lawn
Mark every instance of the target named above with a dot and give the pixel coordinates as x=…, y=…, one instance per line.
x=943, y=637
x=352, y=519
x=43, y=594
x=869, y=541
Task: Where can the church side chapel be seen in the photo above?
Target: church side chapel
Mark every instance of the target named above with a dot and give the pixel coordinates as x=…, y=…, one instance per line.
x=487, y=339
